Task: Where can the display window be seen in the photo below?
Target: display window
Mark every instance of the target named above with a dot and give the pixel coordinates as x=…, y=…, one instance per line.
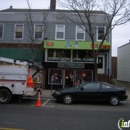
x=59, y=55
x=83, y=76
x=55, y=76
x=82, y=56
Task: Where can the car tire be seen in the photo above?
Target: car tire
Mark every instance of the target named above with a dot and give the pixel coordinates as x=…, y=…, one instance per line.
x=5, y=96
x=114, y=100
x=68, y=99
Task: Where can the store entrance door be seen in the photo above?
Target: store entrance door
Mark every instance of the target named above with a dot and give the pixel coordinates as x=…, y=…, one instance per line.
x=69, y=77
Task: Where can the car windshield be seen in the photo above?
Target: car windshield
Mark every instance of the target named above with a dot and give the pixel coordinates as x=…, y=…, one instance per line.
x=79, y=86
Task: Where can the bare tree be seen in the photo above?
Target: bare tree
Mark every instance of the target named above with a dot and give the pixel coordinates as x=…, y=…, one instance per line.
x=41, y=30
x=84, y=13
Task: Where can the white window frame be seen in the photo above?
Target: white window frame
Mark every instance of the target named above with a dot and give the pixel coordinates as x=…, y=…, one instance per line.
x=15, y=31
x=41, y=31
x=97, y=32
x=2, y=31
x=77, y=32
x=56, y=32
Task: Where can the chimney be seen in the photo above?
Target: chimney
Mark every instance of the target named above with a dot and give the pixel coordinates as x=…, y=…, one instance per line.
x=52, y=5
x=11, y=7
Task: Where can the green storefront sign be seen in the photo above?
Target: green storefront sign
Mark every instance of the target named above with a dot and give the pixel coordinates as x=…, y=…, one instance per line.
x=80, y=45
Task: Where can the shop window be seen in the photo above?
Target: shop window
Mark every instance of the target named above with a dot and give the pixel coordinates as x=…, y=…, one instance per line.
x=100, y=32
x=60, y=32
x=55, y=76
x=18, y=31
x=59, y=55
x=83, y=76
x=82, y=56
x=1, y=31
x=80, y=33
x=38, y=32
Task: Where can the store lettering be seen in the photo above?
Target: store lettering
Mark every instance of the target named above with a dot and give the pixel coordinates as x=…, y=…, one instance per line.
x=70, y=65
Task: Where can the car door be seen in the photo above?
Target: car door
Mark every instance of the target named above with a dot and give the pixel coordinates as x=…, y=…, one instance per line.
x=89, y=92
x=105, y=92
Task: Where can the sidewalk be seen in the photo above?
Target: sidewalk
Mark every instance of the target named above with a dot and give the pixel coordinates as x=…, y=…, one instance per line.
x=47, y=93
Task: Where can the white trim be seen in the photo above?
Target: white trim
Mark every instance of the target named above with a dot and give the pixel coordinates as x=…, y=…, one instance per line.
x=2, y=31
x=41, y=31
x=56, y=32
x=76, y=33
x=97, y=32
x=22, y=32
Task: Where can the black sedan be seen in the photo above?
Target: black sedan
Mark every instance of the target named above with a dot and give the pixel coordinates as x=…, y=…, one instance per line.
x=91, y=91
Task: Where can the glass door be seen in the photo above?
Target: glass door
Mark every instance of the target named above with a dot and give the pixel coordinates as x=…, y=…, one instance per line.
x=69, y=77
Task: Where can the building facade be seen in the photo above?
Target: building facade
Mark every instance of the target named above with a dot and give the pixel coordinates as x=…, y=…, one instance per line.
x=64, y=48
x=123, y=60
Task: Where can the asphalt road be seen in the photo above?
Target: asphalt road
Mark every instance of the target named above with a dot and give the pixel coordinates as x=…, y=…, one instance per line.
x=57, y=116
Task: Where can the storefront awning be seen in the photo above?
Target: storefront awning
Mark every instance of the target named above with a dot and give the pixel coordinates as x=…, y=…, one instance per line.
x=22, y=53
x=80, y=45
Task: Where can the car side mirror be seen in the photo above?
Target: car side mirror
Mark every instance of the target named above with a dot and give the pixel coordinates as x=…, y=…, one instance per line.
x=82, y=88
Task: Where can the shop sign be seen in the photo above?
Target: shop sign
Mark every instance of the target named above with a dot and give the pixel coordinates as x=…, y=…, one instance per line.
x=70, y=65
x=95, y=45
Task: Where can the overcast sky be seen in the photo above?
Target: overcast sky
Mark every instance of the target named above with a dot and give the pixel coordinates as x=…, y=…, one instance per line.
x=120, y=35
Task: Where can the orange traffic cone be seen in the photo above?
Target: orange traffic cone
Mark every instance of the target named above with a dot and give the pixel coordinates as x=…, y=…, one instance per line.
x=39, y=101
x=30, y=82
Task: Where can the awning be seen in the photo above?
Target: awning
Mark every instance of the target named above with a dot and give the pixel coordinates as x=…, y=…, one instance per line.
x=80, y=45
x=22, y=53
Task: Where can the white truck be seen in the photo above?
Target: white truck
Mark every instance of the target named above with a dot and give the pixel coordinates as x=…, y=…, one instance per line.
x=14, y=79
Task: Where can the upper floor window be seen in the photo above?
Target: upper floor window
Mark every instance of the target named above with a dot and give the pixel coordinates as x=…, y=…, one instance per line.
x=1, y=31
x=60, y=32
x=19, y=31
x=38, y=33
x=80, y=33
x=100, y=32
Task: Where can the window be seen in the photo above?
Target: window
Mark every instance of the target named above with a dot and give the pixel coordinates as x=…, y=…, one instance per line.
x=60, y=32
x=92, y=86
x=59, y=55
x=1, y=31
x=80, y=33
x=55, y=76
x=100, y=32
x=38, y=31
x=18, y=31
x=106, y=86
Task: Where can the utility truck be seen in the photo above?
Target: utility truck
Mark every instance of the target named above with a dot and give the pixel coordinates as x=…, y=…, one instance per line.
x=17, y=78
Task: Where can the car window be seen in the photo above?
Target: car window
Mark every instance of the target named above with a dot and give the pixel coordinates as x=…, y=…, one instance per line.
x=106, y=86
x=92, y=86
x=79, y=86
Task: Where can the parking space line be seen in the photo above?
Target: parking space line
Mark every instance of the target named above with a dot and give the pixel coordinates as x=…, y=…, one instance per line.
x=45, y=102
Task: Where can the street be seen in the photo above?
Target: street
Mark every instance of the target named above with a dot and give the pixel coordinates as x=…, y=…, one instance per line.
x=58, y=116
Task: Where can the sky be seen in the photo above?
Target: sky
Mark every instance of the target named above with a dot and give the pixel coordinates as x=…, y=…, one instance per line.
x=120, y=34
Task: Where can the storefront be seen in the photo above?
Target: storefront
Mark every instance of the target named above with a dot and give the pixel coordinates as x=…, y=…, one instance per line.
x=68, y=63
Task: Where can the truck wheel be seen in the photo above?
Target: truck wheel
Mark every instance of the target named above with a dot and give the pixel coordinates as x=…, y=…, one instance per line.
x=5, y=96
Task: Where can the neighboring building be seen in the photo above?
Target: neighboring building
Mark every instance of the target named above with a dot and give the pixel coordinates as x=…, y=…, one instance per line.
x=67, y=47
x=123, y=63
x=114, y=67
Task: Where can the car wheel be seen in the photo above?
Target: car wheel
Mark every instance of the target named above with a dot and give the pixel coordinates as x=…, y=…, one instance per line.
x=67, y=99
x=114, y=100
x=5, y=96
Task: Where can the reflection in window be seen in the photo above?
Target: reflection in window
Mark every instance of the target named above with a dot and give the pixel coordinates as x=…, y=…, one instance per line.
x=55, y=76
x=106, y=86
x=92, y=86
x=83, y=76
x=59, y=55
